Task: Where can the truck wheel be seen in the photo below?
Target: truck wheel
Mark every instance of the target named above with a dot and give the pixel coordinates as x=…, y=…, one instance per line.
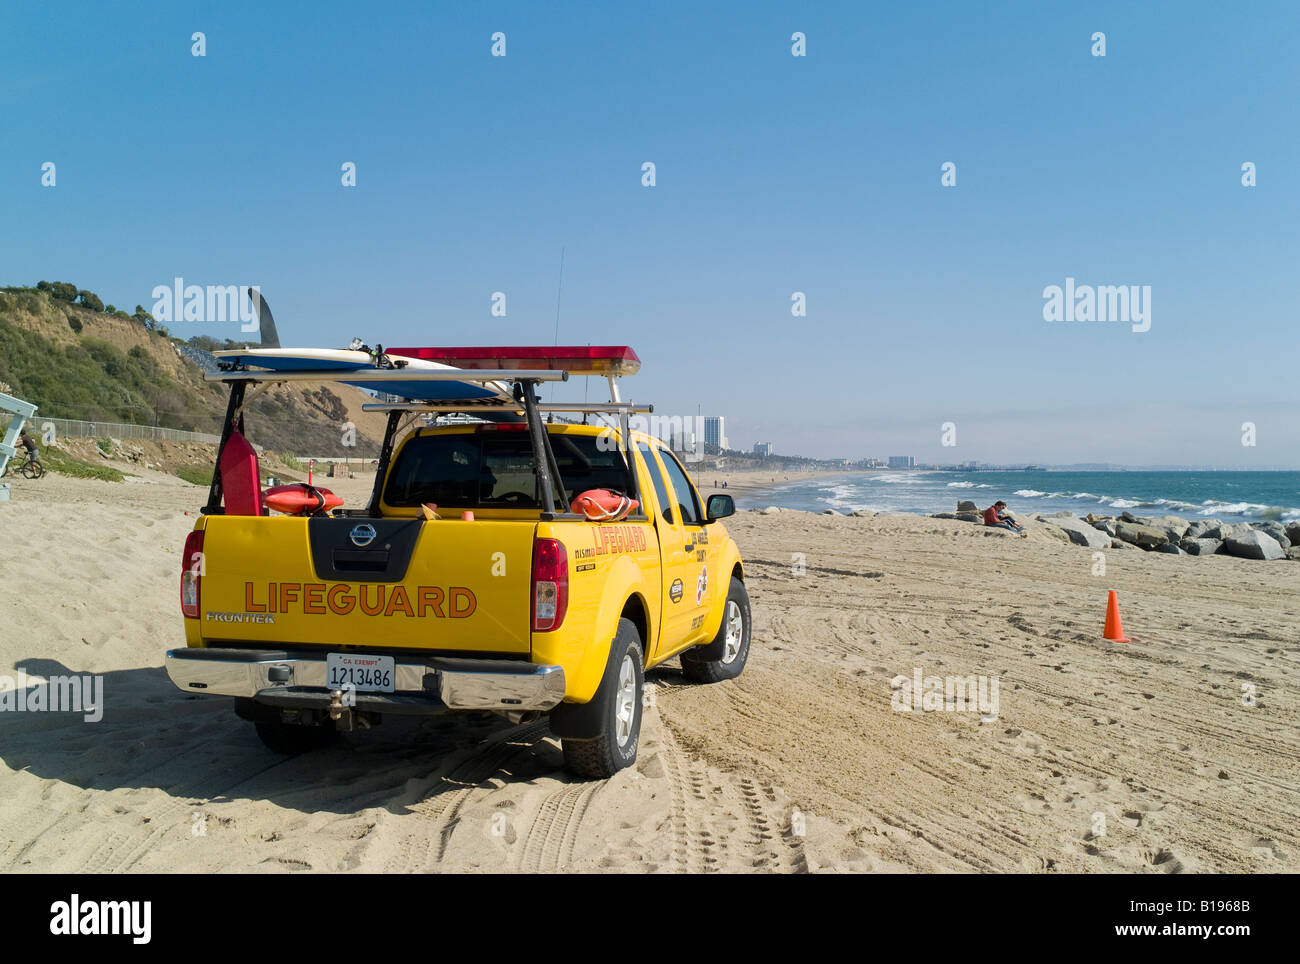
x=618, y=704
x=294, y=738
x=725, y=657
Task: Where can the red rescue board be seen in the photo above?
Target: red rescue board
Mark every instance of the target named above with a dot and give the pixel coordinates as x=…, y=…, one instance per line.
x=240, y=485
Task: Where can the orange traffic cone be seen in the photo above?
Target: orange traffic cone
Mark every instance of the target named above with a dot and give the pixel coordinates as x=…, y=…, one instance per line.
x=1114, y=630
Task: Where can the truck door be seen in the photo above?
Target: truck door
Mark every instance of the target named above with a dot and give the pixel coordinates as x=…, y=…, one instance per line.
x=686, y=580
x=709, y=584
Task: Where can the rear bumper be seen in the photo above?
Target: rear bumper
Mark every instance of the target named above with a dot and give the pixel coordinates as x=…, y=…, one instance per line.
x=285, y=679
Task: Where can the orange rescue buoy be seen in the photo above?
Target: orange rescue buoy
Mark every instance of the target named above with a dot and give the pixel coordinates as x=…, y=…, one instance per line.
x=301, y=499
x=602, y=505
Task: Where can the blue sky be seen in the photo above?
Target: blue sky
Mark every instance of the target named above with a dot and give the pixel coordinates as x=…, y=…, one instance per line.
x=775, y=174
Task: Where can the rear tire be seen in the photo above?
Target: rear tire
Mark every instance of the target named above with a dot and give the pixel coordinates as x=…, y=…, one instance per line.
x=33, y=470
x=724, y=658
x=292, y=739
x=618, y=705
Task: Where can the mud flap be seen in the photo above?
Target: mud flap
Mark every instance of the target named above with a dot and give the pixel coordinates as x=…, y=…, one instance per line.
x=583, y=721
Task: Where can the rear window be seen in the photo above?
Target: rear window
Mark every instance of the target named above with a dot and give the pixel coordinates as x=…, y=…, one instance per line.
x=495, y=470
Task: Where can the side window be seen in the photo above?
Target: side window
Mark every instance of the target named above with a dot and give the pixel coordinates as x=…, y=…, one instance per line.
x=657, y=479
x=686, y=501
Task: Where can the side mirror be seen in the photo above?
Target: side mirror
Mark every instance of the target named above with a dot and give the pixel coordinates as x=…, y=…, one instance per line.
x=719, y=507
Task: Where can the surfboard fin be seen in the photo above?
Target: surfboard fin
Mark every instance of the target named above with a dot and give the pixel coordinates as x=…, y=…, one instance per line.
x=270, y=338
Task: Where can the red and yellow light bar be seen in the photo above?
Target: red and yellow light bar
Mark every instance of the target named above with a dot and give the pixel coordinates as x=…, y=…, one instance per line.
x=574, y=359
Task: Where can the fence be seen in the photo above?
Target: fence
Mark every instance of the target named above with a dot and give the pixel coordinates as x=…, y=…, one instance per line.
x=76, y=428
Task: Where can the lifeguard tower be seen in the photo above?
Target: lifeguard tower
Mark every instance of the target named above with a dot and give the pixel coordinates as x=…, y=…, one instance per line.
x=19, y=412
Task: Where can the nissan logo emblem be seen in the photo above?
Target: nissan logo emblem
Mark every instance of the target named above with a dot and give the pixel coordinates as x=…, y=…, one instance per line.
x=362, y=535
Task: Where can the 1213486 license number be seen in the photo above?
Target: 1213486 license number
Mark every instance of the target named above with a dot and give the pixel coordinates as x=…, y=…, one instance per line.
x=365, y=674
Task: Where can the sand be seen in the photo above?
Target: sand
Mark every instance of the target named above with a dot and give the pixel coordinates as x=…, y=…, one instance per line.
x=800, y=765
x=745, y=483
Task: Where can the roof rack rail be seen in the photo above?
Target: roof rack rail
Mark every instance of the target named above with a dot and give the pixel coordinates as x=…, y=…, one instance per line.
x=389, y=375
x=610, y=408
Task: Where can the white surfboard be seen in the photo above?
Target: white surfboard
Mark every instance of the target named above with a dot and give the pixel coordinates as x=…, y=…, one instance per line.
x=344, y=359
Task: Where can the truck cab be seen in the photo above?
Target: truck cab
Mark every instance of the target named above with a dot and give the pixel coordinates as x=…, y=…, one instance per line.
x=505, y=565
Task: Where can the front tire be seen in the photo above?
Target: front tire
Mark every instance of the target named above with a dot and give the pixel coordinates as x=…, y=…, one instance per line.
x=725, y=657
x=618, y=707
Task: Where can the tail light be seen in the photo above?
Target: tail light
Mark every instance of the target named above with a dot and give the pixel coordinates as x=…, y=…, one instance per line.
x=550, y=584
x=191, y=573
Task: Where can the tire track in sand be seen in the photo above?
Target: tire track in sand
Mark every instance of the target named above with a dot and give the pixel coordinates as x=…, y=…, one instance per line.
x=553, y=834
x=122, y=849
x=438, y=811
x=724, y=821
x=693, y=850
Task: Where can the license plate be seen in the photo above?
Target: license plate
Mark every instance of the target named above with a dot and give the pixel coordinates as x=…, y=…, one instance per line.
x=364, y=674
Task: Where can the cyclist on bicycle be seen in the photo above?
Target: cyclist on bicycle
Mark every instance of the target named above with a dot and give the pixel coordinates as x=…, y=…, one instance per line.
x=30, y=445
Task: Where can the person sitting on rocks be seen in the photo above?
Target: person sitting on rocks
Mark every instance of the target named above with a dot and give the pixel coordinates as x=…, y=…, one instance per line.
x=995, y=516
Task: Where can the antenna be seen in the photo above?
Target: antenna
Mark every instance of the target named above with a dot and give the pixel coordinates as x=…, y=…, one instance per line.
x=558, y=292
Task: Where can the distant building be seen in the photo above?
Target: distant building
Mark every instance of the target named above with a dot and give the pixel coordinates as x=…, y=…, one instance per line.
x=715, y=432
x=902, y=461
x=681, y=439
x=764, y=449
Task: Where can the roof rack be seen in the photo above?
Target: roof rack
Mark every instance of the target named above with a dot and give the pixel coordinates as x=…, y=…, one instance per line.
x=536, y=363
x=607, y=408
x=388, y=375
x=525, y=367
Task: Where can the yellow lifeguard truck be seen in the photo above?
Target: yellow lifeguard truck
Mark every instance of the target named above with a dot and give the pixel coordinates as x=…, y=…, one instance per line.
x=501, y=564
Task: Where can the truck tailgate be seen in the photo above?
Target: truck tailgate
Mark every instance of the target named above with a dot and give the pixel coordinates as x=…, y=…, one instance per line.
x=445, y=585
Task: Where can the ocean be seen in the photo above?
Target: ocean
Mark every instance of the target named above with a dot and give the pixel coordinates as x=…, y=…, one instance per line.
x=1231, y=496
